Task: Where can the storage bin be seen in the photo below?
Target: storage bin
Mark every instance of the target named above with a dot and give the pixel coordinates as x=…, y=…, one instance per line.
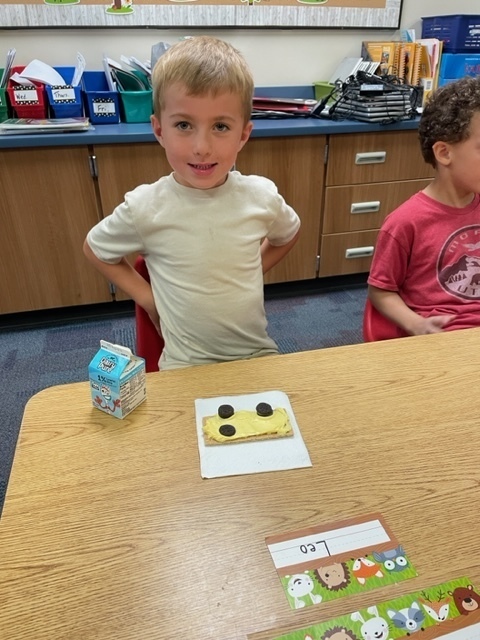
x=3, y=102
x=65, y=101
x=460, y=33
x=443, y=81
x=459, y=65
x=322, y=89
x=101, y=104
x=135, y=105
x=27, y=101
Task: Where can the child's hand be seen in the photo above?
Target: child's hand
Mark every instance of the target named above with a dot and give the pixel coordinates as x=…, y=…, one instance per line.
x=433, y=324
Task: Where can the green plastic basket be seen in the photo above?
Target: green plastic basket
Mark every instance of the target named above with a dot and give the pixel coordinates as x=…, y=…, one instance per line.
x=4, y=110
x=135, y=105
x=322, y=89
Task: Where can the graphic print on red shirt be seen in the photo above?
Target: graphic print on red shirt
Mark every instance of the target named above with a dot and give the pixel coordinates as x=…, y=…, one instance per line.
x=459, y=263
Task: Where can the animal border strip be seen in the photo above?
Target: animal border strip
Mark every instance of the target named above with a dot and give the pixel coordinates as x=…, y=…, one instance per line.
x=318, y=564
x=448, y=610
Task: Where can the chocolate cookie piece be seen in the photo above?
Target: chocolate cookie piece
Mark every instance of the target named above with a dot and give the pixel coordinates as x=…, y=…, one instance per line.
x=225, y=411
x=227, y=430
x=264, y=409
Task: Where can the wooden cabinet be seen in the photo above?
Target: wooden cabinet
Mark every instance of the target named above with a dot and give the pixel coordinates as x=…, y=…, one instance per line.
x=121, y=168
x=52, y=196
x=368, y=175
x=296, y=166
x=48, y=203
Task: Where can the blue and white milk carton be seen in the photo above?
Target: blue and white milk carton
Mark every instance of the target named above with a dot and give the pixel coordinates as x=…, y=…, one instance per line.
x=117, y=379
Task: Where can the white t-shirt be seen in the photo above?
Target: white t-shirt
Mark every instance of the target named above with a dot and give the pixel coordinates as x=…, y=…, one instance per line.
x=202, y=249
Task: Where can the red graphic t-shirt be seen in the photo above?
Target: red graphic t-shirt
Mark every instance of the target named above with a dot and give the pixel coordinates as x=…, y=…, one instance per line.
x=430, y=254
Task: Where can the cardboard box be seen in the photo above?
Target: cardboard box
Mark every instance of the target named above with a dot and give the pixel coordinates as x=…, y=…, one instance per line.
x=117, y=380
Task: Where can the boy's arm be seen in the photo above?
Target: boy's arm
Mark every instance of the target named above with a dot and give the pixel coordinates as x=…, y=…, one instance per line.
x=391, y=305
x=124, y=276
x=272, y=254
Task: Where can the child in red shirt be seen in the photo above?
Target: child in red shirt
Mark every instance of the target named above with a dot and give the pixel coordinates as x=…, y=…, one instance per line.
x=425, y=274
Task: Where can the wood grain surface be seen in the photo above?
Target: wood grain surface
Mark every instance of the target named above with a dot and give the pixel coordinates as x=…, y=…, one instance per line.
x=109, y=532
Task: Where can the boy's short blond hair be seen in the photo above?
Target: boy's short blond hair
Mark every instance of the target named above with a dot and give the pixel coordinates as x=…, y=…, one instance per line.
x=204, y=65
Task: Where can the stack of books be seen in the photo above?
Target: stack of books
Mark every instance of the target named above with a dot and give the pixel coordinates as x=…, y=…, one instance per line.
x=44, y=125
x=414, y=62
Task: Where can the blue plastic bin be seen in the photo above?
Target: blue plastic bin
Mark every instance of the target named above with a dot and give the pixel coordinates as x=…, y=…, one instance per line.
x=101, y=104
x=459, y=65
x=460, y=33
x=443, y=81
x=65, y=101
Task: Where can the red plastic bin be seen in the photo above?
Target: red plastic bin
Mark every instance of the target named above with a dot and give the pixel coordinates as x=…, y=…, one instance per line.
x=27, y=101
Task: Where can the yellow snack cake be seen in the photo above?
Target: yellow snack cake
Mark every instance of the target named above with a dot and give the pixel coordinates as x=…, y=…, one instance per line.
x=238, y=426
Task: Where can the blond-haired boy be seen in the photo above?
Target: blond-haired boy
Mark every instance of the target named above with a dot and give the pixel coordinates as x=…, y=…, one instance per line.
x=207, y=233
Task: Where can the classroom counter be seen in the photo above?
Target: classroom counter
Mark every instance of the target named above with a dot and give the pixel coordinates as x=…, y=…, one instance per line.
x=56, y=186
x=263, y=128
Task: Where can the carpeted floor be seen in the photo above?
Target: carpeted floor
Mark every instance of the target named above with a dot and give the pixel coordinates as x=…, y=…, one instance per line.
x=33, y=359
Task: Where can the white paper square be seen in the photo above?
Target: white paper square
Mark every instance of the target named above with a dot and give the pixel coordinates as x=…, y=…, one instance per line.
x=257, y=456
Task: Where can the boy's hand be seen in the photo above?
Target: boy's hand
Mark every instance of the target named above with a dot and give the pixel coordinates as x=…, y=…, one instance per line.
x=391, y=305
x=433, y=324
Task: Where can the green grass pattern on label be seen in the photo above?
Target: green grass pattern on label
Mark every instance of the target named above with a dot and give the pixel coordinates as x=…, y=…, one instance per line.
x=378, y=618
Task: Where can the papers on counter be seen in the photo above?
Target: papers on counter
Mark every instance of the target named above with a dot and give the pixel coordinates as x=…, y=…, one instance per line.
x=79, y=69
x=8, y=65
x=40, y=72
x=43, y=125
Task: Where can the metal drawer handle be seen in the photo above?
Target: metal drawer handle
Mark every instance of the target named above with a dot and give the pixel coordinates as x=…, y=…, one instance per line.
x=365, y=207
x=359, y=252
x=371, y=157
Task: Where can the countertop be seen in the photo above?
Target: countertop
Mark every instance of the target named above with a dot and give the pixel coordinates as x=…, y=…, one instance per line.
x=142, y=132
x=263, y=128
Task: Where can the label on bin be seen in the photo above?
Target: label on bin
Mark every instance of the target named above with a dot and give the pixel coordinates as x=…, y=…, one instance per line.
x=103, y=107
x=63, y=94
x=25, y=95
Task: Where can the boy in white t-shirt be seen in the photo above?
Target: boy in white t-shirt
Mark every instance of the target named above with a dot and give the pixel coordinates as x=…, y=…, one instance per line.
x=207, y=233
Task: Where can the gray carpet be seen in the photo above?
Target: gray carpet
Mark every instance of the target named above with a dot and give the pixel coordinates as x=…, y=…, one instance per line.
x=33, y=359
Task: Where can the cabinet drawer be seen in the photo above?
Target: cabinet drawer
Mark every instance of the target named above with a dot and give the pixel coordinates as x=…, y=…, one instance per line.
x=361, y=207
x=344, y=253
x=357, y=158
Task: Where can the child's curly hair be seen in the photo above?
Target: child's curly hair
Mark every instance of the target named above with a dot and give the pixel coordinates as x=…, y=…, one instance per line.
x=447, y=115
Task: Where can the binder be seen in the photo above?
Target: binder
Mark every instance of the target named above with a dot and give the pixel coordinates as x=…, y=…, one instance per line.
x=407, y=61
x=416, y=64
x=381, y=52
x=429, y=67
x=424, y=64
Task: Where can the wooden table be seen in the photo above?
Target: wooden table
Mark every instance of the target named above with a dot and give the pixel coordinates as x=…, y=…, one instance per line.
x=109, y=532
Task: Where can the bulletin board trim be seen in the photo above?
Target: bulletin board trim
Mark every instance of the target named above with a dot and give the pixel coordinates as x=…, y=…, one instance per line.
x=198, y=14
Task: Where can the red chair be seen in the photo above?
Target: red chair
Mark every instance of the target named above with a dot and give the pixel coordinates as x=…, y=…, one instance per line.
x=149, y=343
x=377, y=327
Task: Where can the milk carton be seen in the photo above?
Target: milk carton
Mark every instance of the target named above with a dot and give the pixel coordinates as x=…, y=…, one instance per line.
x=117, y=379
